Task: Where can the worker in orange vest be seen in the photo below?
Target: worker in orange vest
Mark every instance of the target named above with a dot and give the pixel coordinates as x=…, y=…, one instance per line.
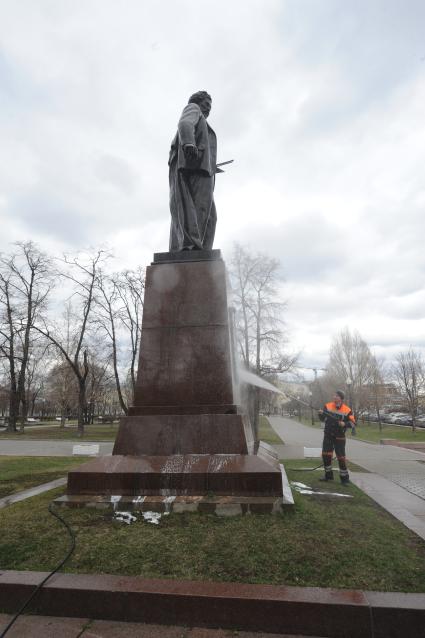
x=338, y=417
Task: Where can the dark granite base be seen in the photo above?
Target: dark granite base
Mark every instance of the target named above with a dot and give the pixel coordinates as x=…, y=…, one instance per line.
x=304, y=611
x=186, y=255
x=184, y=434
x=185, y=351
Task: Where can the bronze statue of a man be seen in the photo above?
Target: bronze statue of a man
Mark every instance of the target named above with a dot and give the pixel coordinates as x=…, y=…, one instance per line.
x=193, y=159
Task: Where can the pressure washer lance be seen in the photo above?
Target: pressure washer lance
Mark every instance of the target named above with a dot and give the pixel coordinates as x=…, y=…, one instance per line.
x=337, y=416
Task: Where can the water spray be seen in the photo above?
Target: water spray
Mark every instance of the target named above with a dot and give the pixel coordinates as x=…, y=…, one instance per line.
x=254, y=379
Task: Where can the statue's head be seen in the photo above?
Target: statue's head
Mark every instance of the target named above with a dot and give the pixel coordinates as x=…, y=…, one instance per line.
x=203, y=100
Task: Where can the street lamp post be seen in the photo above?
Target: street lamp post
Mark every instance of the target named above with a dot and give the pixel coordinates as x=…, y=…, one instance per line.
x=311, y=407
x=349, y=383
x=299, y=408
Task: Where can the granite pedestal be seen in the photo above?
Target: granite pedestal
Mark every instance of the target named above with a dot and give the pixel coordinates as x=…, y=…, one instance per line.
x=185, y=435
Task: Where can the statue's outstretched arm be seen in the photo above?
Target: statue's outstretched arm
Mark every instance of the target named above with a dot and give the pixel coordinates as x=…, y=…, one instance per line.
x=188, y=121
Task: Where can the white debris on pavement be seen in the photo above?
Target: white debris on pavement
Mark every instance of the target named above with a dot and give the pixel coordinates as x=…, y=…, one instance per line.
x=153, y=517
x=300, y=485
x=125, y=517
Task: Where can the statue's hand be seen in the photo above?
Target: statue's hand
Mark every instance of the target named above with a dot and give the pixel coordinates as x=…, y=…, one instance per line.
x=190, y=151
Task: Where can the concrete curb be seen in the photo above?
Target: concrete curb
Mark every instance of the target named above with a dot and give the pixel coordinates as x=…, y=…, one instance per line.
x=308, y=611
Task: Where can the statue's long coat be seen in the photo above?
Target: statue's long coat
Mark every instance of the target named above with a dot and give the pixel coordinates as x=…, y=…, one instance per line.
x=192, y=207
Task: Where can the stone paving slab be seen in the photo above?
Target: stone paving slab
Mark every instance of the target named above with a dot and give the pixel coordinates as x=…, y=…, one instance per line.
x=406, y=507
x=43, y=626
x=105, y=629
x=52, y=627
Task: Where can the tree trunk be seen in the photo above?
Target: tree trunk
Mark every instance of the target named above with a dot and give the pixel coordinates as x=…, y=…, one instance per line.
x=81, y=406
x=13, y=411
x=24, y=412
x=32, y=409
x=123, y=405
x=379, y=419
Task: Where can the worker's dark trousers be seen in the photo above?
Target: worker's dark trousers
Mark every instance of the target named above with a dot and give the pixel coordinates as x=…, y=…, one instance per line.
x=335, y=442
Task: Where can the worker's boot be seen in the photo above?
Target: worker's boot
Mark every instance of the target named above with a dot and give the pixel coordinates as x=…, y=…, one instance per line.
x=344, y=478
x=329, y=476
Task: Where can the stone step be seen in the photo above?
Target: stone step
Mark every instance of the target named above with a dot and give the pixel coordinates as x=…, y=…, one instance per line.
x=186, y=474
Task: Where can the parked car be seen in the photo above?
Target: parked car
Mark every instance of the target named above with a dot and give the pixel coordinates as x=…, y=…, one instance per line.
x=393, y=416
x=372, y=416
x=403, y=420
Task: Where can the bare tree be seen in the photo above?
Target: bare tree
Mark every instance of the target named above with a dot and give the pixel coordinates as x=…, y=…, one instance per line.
x=81, y=271
x=408, y=372
x=98, y=380
x=62, y=390
x=36, y=375
x=377, y=387
x=259, y=318
x=4, y=395
x=244, y=265
x=120, y=303
x=351, y=365
x=25, y=283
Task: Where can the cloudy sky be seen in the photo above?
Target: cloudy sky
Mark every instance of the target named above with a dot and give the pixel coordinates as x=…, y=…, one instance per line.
x=320, y=102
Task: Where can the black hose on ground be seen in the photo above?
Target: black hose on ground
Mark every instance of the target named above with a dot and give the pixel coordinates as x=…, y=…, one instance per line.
x=44, y=581
x=301, y=469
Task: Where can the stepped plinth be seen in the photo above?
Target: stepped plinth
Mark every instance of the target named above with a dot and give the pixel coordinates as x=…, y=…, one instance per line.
x=185, y=443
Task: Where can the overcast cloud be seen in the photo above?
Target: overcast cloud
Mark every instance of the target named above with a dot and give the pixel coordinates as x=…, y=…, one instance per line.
x=320, y=103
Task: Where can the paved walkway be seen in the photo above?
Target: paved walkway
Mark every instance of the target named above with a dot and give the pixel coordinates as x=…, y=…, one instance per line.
x=31, y=491
x=396, y=478
x=51, y=627
x=12, y=447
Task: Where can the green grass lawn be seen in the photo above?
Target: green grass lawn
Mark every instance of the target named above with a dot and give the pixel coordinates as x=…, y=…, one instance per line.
x=325, y=542
x=18, y=473
x=370, y=431
x=299, y=465
x=96, y=432
x=267, y=434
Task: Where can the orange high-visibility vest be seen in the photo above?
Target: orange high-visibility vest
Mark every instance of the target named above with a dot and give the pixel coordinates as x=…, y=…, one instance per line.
x=343, y=410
